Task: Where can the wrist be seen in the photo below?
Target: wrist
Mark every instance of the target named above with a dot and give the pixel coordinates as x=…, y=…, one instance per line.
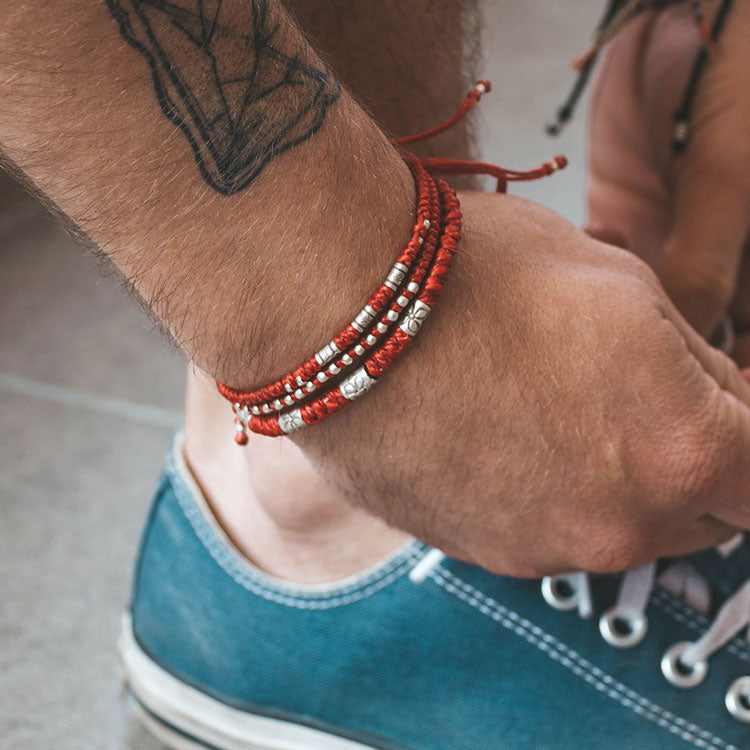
x=326, y=239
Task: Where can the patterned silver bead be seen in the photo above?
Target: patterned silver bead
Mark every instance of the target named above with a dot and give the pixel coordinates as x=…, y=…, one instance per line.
x=415, y=317
x=326, y=354
x=365, y=317
x=356, y=384
x=291, y=421
x=395, y=277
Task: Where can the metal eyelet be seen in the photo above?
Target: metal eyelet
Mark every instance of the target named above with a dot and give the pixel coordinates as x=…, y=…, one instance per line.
x=555, y=593
x=737, y=699
x=682, y=675
x=621, y=630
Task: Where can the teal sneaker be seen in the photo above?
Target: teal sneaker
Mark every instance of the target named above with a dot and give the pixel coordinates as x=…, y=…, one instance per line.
x=428, y=653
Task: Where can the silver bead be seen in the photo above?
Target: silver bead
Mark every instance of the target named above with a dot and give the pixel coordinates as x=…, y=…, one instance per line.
x=356, y=384
x=395, y=277
x=371, y=340
x=382, y=327
x=265, y=408
x=290, y=421
x=322, y=377
x=346, y=359
x=400, y=266
x=415, y=317
x=402, y=301
x=288, y=387
x=392, y=316
x=298, y=394
x=413, y=287
x=325, y=355
x=288, y=400
x=255, y=410
x=359, y=350
x=277, y=404
x=300, y=381
x=310, y=387
x=365, y=317
x=334, y=370
x=426, y=223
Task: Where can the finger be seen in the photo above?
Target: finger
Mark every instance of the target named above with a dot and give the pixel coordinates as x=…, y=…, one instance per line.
x=703, y=253
x=700, y=534
x=717, y=365
x=742, y=355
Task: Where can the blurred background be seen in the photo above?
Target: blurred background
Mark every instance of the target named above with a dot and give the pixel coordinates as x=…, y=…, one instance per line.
x=90, y=394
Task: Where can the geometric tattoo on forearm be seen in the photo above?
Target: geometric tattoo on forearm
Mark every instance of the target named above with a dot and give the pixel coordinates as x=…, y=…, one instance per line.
x=238, y=99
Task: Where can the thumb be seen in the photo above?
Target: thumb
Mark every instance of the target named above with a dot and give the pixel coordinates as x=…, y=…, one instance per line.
x=702, y=255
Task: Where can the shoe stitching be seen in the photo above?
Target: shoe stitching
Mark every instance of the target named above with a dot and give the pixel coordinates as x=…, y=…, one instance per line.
x=573, y=661
x=376, y=581
x=683, y=613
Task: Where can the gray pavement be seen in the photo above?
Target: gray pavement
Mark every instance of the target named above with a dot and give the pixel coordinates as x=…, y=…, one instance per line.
x=90, y=393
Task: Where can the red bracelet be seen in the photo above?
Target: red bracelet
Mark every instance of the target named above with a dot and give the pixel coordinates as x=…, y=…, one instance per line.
x=409, y=293
x=316, y=370
x=382, y=358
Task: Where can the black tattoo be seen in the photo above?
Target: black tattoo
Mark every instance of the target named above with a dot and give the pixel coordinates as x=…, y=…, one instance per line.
x=238, y=99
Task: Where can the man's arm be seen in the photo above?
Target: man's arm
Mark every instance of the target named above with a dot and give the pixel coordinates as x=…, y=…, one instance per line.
x=556, y=414
x=215, y=159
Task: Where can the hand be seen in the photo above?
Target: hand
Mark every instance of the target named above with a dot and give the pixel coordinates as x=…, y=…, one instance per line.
x=556, y=413
x=688, y=215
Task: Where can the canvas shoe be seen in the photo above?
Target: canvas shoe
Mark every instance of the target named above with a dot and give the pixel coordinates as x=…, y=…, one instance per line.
x=427, y=653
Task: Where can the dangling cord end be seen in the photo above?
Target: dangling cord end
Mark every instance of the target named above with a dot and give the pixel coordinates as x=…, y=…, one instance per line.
x=480, y=87
x=502, y=175
x=240, y=424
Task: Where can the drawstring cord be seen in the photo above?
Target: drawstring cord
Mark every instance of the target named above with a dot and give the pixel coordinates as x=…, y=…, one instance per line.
x=444, y=166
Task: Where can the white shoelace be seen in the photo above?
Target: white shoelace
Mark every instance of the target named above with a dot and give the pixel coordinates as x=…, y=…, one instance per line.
x=624, y=625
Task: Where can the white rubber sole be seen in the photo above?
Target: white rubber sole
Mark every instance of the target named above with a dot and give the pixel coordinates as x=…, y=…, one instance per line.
x=184, y=718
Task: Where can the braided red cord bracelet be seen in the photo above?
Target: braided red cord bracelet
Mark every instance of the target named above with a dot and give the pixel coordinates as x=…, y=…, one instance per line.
x=409, y=293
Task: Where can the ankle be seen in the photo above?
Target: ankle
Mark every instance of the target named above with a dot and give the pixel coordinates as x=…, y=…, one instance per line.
x=273, y=504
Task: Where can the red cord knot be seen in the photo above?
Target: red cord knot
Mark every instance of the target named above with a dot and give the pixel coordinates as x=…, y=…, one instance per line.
x=559, y=162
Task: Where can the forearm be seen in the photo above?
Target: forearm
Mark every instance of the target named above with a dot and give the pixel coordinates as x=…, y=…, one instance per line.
x=241, y=236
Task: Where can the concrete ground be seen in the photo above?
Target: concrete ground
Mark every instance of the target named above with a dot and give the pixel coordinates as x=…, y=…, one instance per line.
x=90, y=394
